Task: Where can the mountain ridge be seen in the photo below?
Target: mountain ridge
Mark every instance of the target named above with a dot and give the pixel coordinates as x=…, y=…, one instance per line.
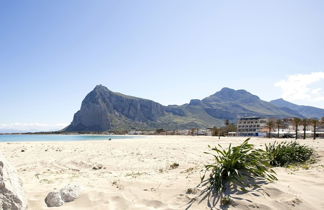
x=105, y=110
x=306, y=111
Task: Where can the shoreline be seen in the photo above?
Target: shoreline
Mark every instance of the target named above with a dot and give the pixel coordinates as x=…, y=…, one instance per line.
x=64, y=138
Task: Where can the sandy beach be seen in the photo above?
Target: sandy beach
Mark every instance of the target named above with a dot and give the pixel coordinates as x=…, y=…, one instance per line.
x=136, y=174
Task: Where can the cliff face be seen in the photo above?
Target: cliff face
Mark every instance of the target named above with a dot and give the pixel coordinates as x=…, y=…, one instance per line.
x=104, y=110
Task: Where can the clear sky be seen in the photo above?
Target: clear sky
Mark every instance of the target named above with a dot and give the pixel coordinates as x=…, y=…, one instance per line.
x=53, y=52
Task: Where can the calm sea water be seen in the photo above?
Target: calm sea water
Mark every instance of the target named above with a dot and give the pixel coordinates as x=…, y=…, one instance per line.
x=28, y=138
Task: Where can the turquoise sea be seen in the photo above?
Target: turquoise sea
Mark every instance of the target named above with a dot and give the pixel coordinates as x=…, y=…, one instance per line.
x=31, y=138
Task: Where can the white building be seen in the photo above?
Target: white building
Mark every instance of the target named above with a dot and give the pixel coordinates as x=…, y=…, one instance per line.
x=251, y=126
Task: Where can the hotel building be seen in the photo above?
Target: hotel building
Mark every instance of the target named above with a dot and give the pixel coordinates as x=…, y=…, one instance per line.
x=251, y=126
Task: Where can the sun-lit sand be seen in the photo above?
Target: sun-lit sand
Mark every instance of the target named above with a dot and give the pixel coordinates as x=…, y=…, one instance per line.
x=136, y=174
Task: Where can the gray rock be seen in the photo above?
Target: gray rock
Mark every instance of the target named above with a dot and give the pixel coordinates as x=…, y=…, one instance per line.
x=102, y=110
x=70, y=193
x=53, y=199
x=12, y=196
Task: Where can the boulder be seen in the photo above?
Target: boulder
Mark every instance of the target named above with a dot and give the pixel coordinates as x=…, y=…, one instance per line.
x=12, y=196
x=66, y=194
x=53, y=199
x=70, y=193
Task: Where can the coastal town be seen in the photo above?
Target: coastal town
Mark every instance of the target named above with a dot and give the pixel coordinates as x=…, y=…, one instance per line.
x=253, y=126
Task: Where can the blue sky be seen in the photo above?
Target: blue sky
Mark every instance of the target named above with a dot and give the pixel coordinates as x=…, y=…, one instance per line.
x=54, y=52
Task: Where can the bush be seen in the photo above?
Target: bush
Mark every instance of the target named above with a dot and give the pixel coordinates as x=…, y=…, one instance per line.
x=286, y=153
x=235, y=167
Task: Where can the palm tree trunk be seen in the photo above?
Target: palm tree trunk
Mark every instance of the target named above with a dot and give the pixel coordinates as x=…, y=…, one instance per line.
x=304, y=137
x=314, y=134
x=278, y=132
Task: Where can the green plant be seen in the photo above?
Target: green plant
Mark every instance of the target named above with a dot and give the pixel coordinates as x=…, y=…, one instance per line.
x=235, y=167
x=286, y=153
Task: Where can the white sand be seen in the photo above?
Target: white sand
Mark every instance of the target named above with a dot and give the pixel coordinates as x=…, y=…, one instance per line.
x=136, y=174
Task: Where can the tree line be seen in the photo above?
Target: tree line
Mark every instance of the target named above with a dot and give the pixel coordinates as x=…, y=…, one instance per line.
x=296, y=122
x=224, y=130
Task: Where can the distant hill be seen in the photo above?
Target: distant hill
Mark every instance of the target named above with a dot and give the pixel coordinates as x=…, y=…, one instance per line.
x=233, y=104
x=306, y=111
x=104, y=110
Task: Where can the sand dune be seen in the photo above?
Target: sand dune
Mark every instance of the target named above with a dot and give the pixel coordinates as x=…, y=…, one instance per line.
x=136, y=174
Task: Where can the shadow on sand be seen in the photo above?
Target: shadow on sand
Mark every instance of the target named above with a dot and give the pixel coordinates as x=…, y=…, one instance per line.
x=227, y=197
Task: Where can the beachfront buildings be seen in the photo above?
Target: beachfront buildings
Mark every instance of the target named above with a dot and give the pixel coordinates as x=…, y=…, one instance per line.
x=256, y=126
x=251, y=126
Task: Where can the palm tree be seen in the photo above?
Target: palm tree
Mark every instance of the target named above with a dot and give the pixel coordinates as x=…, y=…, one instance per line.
x=314, y=123
x=270, y=124
x=215, y=131
x=194, y=131
x=296, y=122
x=280, y=124
x=305, y=123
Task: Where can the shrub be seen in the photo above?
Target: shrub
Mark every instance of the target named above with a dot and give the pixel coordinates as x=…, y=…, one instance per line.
x=286, y=153
x=235, y=167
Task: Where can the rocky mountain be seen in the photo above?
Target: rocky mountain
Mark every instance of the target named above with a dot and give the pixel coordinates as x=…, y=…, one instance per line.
x=232, y=104
x=305, y=111
x=104, y=110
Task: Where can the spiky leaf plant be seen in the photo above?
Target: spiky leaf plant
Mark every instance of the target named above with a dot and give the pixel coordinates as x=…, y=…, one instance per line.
x=286, y=153
x=236, y=167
